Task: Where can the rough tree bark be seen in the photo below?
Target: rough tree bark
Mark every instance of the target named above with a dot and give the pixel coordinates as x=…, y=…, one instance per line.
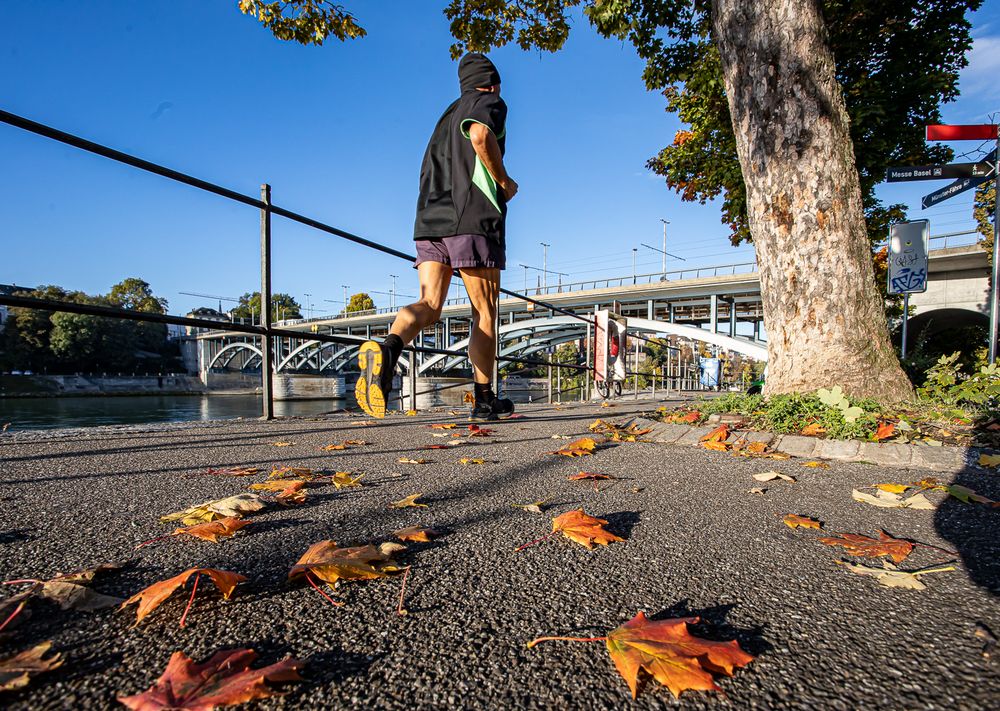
x=824, y=318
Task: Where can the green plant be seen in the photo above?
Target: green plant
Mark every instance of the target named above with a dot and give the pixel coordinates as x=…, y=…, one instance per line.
x=835, y=398
x=947, y=384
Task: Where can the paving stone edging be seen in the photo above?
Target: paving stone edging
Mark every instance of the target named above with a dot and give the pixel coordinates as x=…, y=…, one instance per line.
x=947, y=460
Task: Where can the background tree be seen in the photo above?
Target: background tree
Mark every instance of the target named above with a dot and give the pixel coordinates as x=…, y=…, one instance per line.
x=283, y=306
x=360, y=302
x=984, y=213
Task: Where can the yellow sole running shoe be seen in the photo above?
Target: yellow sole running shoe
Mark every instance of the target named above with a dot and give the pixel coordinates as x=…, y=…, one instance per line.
x=375, y=381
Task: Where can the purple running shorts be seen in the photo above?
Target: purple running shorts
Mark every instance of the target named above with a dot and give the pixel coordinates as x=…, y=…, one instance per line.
x=462, y=251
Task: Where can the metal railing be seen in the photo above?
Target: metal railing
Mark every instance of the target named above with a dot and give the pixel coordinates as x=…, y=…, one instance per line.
x=266, y=330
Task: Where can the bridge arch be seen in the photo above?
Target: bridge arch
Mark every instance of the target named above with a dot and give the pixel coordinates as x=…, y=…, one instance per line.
x=230, y=351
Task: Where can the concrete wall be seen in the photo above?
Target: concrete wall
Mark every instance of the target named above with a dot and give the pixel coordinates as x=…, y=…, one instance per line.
x=61, y=385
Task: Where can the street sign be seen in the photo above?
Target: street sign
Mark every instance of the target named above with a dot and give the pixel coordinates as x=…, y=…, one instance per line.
x=980, y=132
x=950, y=191
x=983, y=169
x=907, y=257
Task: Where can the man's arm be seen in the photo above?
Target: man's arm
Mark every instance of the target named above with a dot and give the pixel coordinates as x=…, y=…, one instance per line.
x=488, y=150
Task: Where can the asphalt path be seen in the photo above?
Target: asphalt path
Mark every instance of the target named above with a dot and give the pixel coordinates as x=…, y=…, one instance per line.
x=697, y=544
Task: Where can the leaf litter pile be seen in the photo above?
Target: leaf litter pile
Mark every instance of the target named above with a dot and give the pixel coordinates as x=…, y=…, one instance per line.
x=665, y=650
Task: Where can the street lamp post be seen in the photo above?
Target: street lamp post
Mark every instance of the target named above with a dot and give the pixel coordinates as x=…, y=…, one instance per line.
x=392, y=292
x=665, y=223
x=634, y=250
x=545, y=261
x=308, y=305
x=346, y=287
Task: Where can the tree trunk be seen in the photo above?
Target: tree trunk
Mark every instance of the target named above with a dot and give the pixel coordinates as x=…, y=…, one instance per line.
x=825, y=320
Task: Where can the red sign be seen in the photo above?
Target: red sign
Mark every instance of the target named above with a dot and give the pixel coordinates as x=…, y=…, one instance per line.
x=980, y=132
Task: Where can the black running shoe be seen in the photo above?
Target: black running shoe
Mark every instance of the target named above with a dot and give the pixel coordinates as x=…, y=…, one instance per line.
x=493, y=409
x=375, y=382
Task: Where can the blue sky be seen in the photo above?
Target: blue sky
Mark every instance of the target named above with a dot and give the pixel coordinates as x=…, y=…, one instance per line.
x=338, y=131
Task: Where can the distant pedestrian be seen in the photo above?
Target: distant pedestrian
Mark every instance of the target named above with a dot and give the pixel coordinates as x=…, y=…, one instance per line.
x=461, y=213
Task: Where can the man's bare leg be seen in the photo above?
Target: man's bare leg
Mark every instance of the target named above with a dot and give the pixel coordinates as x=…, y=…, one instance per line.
x=483, y=287
x=376, y=361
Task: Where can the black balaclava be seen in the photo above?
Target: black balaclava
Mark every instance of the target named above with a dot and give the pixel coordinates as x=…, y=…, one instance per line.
x=476, y=71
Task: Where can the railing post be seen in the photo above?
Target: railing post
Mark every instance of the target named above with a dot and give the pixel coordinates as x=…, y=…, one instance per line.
x=267, y=344
x=588, y=374
x=548, y=381
x=559, y=384
x=413, y=380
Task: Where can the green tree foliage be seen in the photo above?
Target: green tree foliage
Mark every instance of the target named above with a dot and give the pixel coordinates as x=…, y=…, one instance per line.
x=360, y=302
x=54, y=342
x=305, y=21
x=283, y=306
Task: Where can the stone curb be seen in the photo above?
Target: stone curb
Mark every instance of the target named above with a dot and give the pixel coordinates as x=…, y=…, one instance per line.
x=946, y=460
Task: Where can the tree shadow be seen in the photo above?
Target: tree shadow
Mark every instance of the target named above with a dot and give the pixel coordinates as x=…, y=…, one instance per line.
x=972, y=528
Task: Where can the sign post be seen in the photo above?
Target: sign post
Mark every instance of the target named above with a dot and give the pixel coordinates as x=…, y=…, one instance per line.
x=907, y=263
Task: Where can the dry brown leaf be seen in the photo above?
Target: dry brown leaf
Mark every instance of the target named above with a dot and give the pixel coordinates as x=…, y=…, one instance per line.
x=282, y=444
x=583, y=528
x=150, y=598
x=465, y=461
x=416, y=534
x=333, y=447
x=719, y=434
x=232, y=471
x=355, y=442
x=16, y=671
x=344, y=480
x=716, y=446
x=443, y=426
x=865, y=547
x=278, y=485
x=816, y=465
x=813, y=429
x=768, y=476
x=234, y=506
x=588, y=475
x=324, y=560
x=407, y=460
x=211, y=531
x=409, y=501
x=225, y=679
x=794, y=520
x=580, y=448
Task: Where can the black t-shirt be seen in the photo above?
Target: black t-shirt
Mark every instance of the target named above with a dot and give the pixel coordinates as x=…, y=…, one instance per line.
x=458, y=195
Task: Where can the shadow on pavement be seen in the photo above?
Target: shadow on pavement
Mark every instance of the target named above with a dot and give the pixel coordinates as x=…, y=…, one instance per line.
x=972, y=528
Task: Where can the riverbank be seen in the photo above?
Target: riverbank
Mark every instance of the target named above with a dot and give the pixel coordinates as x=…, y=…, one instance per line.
x=45, y=386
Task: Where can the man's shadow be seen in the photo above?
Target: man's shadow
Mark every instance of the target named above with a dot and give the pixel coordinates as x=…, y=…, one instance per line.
x=972, y=528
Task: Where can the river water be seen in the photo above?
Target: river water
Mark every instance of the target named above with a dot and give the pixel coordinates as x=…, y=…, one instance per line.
x=48, y=413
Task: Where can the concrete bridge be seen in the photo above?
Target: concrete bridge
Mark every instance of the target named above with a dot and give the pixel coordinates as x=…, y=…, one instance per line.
x=715, y=307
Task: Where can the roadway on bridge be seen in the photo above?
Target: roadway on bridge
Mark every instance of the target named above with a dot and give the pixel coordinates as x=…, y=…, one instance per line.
x=697, y=543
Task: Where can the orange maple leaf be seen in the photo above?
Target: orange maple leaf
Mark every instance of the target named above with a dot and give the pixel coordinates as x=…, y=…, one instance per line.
x=716, y=446
x=212, y=530
x=580, y=448
x=667, y=651
x=333, y=447
x=583, y=528
x=278, y=485
x=719, y=434
x=885, y=431
x=588, y=475
x=865, y=547
x=329, y=563
x=813, y=429
x=794, y=520
x=477, y=431
x=150, y=598
x=226, y=678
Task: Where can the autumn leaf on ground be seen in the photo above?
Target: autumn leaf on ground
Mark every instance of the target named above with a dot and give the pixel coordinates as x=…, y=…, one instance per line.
x=407, y=460
x=893, y=488
x=777, y=455
x=16, y=671
x=477, y=431
x=794, y=520
x=668, y=652
x=232, y=471
x=70, y=590
x=436, y=446
x=443, y=426
x=416, y=534
x=333, y=447
x=891, y=577
x=365, y=423
x=225, y=679
x=719, y=434
x=580, y=448
x=278, y=485
x=355, y=442
x=885, y=431
x=212, y=530
x=967, y=495
x=465, y=461
x=344, y=480
x=768, y=476
x=888, y=500
x=684, y=419
x=989, y=460
x=813, y=429
x=716, y=446
x=757, y=490
x=588, y=475
x=816, y=465
x=606, y=404
x=325, y=561
x=220, y=508
x=409, y=501
x=304, y=473
x=534, y=507
x=292, y=496
x=749, y=449
x=150, y=598
x=583, y=528
x=411, y=413
x=282, y=444
x=865, y=547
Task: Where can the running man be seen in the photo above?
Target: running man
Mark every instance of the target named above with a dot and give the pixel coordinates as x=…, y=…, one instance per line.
x=461, y=211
